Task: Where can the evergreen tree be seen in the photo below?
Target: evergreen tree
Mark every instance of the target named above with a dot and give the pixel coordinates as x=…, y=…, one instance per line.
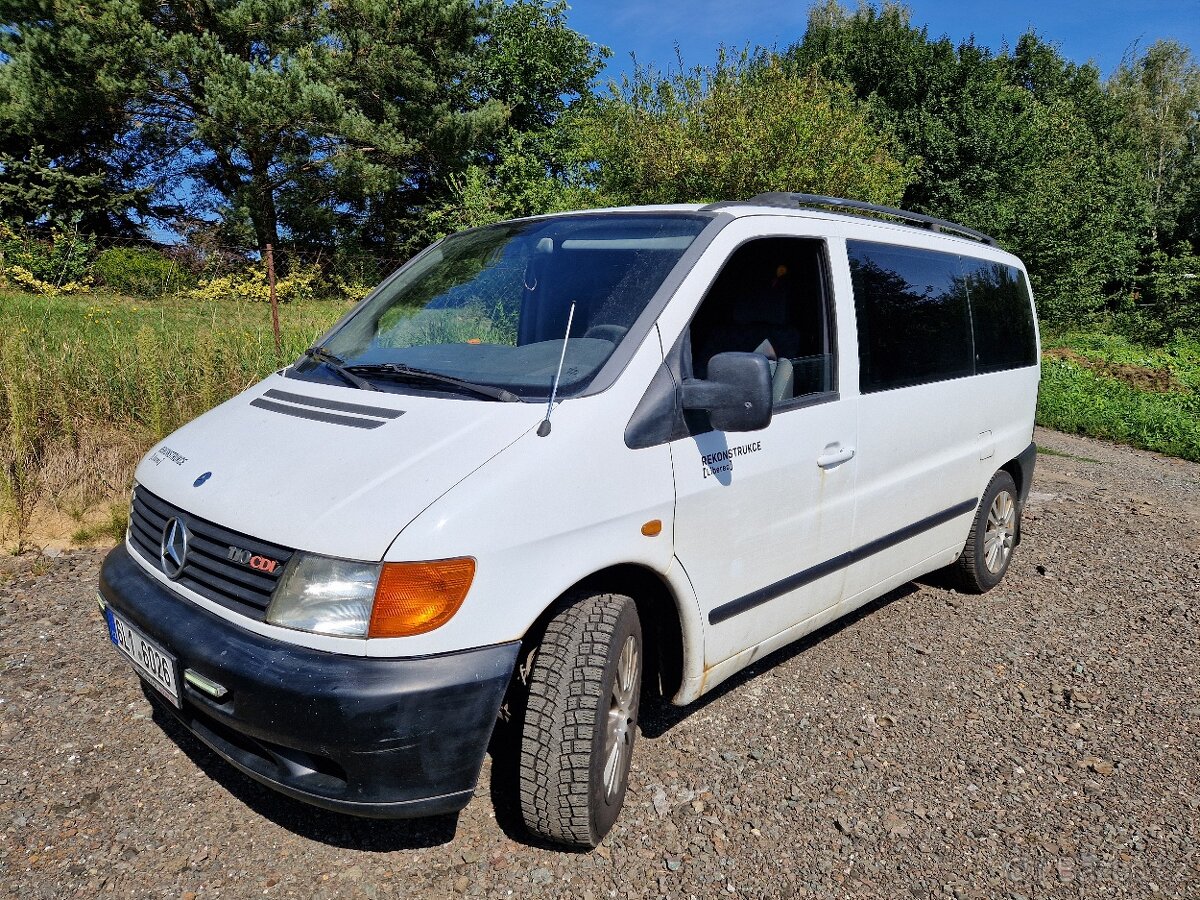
x=65, y=87
x=324, y=123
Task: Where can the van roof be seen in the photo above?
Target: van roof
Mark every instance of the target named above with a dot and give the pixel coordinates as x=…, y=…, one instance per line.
x=855, y=208
x=838, y=207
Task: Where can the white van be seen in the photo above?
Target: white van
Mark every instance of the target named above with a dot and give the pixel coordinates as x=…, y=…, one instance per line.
x=553, y=461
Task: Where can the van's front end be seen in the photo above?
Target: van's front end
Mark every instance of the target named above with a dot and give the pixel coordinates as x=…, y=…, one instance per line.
x=251, y=590
x=306, y=583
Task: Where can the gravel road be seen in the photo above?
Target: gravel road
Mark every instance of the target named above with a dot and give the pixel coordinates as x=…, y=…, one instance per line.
x=1039, y=741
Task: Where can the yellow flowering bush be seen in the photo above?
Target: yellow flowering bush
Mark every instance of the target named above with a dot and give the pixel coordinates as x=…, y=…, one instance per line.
x=29, y=281
x=53, y=265
x=350, y=289
x=251, y=285
x=302, y=283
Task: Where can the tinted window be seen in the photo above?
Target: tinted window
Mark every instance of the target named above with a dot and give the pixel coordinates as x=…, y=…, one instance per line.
x=1005, y=336
x=914, y=325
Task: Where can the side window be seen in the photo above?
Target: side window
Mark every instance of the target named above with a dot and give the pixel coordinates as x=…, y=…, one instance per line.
x=771, y=298
x=1005, y=334
x=914, y=323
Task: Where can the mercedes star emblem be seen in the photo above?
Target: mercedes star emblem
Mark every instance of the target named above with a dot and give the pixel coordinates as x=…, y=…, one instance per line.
x=174, y=547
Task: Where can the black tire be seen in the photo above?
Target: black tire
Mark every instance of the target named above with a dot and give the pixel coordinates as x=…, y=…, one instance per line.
x=572, y=687
x=989, y=548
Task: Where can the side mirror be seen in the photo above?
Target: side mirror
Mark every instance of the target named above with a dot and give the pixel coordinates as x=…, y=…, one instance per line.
x=737, y=392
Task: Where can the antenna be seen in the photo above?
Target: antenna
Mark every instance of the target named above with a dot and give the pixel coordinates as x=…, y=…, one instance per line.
x=544, y=428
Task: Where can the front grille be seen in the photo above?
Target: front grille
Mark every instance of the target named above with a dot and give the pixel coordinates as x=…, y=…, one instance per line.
x=208, y=569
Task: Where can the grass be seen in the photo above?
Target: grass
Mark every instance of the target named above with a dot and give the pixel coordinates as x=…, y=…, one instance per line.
x=1050, y=451
x=1106, y=387
x=109, y=531
x=87, y=384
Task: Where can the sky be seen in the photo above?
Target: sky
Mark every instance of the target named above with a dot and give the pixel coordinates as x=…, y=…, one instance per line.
x=1100, y=31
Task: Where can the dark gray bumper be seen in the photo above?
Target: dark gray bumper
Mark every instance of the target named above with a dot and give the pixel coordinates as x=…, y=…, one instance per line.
x=391, y=738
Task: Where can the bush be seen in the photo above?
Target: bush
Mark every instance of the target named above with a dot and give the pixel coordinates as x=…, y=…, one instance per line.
x=251, y=285
x=302, y=283
x=138, y=272
x=54, y=265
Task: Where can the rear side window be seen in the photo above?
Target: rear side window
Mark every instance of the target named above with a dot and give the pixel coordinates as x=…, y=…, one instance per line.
x=914, y=324
x=927, y=316
x=1005, y=335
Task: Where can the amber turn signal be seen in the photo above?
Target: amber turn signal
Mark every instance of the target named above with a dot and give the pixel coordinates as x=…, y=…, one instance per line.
x=413, y=598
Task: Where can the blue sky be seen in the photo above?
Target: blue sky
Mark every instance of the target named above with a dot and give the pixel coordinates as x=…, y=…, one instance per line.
x=1099, y=31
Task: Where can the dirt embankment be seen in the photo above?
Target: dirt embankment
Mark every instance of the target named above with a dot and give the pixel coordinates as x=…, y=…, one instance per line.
x=1140, y=377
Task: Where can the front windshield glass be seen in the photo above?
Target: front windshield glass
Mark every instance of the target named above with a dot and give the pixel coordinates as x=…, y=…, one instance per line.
x=490, y=306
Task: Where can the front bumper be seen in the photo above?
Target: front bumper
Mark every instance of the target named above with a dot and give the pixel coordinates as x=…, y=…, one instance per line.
x=390, y=738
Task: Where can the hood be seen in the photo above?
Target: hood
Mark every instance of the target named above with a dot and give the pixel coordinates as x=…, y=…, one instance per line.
x=327, y=469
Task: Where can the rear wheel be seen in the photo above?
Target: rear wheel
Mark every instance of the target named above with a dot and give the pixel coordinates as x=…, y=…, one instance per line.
x=577, y=739
x=989, y=547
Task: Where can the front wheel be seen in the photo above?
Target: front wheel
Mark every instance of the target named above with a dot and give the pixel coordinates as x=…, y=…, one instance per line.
x=989, y=547
x=577, y=739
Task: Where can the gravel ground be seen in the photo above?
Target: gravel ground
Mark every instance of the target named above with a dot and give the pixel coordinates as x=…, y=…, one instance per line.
x=1039, y=741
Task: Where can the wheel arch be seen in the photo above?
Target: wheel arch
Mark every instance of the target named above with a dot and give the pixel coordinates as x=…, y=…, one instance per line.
x=671, y=639
x=1021, y=467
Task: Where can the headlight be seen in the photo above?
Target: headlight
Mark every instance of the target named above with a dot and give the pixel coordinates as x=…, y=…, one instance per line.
x=327, y=596
x=357, y=599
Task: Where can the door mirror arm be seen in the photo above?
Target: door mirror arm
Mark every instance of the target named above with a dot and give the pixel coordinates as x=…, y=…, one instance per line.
x=736, y=393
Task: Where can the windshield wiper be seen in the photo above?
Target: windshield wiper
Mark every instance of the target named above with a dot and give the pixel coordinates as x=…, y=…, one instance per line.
x=399, y=370
x=320, y=354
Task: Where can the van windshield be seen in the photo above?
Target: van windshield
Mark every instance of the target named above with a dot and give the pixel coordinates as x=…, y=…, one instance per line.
x=489, y=307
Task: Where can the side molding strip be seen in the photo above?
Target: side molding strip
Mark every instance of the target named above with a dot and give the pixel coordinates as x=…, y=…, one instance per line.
x=820, y=570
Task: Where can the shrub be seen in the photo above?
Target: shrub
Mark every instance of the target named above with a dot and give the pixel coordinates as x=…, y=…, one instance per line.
x=251, y=285
x=137, y=271
x=54, y=265
x=302, y=283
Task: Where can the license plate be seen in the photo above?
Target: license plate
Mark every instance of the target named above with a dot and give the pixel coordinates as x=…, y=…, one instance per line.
x=153, y=663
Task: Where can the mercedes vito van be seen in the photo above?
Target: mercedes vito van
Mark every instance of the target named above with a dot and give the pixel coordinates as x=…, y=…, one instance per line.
x=553, y=464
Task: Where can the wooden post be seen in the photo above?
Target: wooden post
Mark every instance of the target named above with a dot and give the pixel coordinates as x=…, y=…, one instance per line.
x=274, y=301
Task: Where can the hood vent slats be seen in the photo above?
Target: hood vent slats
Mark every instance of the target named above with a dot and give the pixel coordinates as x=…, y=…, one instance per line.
x=318, y=409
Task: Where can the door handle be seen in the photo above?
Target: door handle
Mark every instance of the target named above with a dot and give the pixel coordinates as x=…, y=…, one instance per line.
x=834, y=454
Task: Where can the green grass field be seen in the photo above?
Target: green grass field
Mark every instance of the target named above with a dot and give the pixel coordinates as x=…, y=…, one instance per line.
x=87, y=384
x=1103, y=386
x=149, y=364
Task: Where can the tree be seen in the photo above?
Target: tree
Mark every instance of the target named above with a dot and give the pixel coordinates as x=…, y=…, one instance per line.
x=540, y=69
x=1160, y=92
x=329, y=120
x=742, y=127
x=529, y=60
x=65, y=87
x=1021, y=145
x=322, y=123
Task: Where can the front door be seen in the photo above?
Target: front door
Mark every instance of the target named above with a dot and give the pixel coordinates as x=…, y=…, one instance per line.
x=762, y=517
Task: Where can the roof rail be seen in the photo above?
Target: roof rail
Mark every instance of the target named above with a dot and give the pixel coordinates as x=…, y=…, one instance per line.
x=785, y=200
